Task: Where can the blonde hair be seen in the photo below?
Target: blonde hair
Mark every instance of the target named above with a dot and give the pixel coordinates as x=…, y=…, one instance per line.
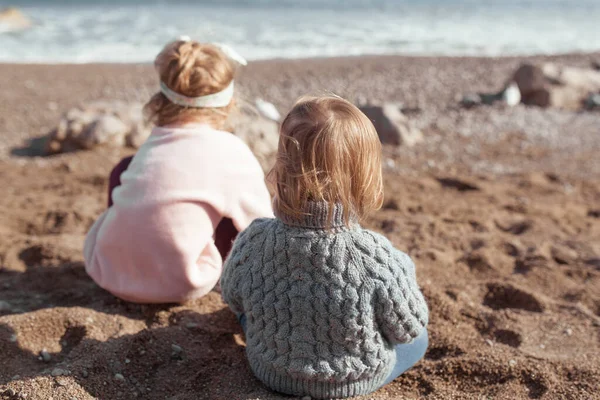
x=329, y=152
x=192, y=69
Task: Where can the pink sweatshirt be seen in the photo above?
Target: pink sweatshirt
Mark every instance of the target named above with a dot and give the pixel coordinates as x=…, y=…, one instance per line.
x=155, y=243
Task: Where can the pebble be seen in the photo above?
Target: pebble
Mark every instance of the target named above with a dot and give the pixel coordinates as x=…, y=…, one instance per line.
x=4, y=306
x=176, y=348
x=13, y=338
x=10, y=392
x=488, y=341
x=568, y=331
x=542, y=346
x=593, y=101
x=119, y=377
x=191, y=325
x=58, y=372
x=470, y=100
x=84, y=373
x=307, y=398
x=45, y=356
x=512, y=363
x=127, y=361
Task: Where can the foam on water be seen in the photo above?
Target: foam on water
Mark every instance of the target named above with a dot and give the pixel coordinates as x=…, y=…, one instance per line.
x=134, y=31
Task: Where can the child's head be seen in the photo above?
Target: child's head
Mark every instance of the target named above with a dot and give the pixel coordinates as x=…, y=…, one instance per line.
x=328, y=151
x=190, y=69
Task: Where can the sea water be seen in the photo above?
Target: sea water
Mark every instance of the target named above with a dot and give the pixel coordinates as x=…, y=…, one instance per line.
x=135, y=30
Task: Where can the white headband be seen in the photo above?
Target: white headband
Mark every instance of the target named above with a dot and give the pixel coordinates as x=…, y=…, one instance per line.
x=214, y=100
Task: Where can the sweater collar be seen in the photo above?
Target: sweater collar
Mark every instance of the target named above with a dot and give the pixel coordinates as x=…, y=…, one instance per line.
x=316, y=216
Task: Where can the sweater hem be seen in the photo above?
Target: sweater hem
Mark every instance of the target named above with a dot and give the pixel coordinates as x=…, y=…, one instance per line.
x=319, y=389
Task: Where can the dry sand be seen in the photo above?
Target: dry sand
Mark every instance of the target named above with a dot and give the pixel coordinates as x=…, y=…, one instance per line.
x=500, y=209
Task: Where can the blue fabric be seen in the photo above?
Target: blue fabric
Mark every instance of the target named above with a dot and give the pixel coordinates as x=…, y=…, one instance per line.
x=242, y=320
x=407, y=354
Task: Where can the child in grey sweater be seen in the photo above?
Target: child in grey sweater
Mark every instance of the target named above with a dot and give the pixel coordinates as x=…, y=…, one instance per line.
x=329, y=309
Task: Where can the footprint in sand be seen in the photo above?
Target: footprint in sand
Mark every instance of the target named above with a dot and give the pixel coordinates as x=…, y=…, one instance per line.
x=501, y=296
x=508, y=337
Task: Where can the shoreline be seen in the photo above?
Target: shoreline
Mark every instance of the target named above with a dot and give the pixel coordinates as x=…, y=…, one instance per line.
x=382, y=56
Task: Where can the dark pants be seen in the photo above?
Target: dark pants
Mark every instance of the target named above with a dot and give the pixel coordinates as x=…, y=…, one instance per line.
x=224, y=234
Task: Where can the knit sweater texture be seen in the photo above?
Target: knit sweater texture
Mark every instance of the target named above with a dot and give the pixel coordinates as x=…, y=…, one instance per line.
x=324, y=303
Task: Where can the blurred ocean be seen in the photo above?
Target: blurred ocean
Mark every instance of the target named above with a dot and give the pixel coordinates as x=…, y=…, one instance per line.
x=135, y=30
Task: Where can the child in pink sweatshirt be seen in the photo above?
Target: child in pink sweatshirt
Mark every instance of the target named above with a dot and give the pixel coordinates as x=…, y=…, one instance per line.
x=175, y=208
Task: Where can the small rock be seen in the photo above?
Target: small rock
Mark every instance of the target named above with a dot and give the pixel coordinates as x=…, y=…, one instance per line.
x=191, y=325
x=46, y=357
x=52, y=106
x=307, y=398
x=4, y=306
x=58, y=372
x=512, y=363
x=127, y=361
x=107, y=129
x=11, y=392
x=542, y=346
x=268, y=110
x=471, y=100
x=119, y=377
x=13, y=338
x=176, y=348
x=489, y=342
x=592, y=102
x=512, y=95
x=85, y=373
x=568, y=331
x=392, y=126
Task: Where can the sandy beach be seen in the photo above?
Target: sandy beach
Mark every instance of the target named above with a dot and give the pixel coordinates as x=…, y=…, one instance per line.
x=499, y=207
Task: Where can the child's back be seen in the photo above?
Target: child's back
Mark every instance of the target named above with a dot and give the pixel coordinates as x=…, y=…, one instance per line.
x=156, y=242
x=324, y=302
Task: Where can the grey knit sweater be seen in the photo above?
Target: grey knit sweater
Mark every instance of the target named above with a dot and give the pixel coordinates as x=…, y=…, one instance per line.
x=324, y=307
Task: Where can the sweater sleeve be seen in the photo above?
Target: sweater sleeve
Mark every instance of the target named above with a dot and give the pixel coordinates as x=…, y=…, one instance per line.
x=401, y=310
